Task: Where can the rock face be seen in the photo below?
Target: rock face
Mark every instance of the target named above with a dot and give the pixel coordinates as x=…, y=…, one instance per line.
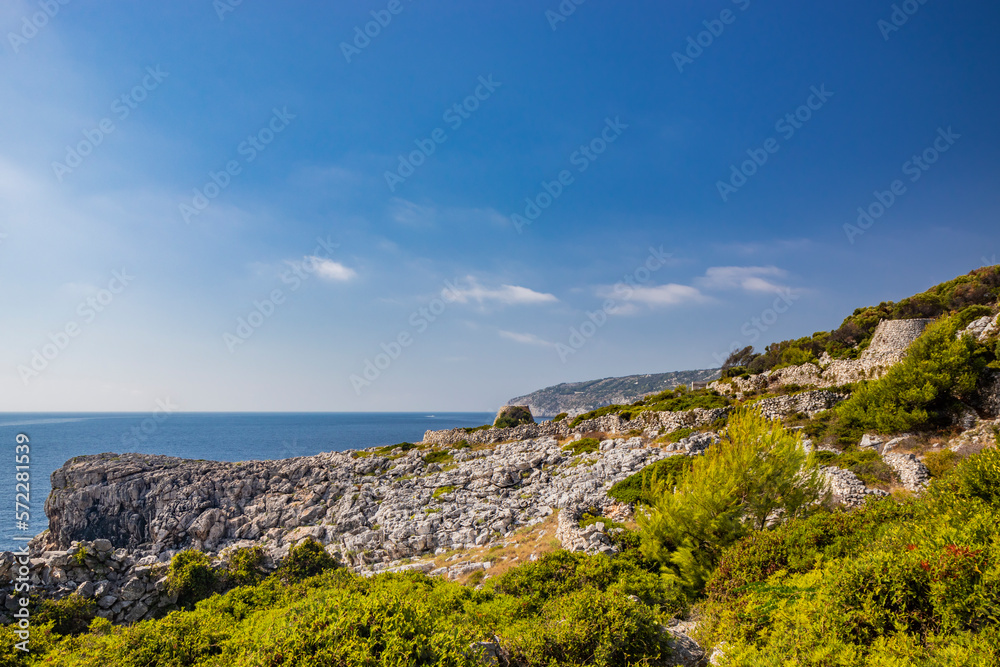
x=369, y=507
x=983, y=328
x=125, y=589
x=513, y=415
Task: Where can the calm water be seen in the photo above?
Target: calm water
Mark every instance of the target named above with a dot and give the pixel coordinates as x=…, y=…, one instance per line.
x=55, y=438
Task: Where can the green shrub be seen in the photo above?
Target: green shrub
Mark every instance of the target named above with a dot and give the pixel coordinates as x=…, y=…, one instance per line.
x=759, y=473
x=637, y=488
x=941, y=462
x=246, y=566
x=559, y=417
x=892, y=584
x=920, y=390
x=305, y=560
x=70, y=615
x=513, y=415
x=442, y=490
x=80, y=557
x=191, y=578
x=587, y=627
x=438, y=457
x=979, y=476
x=582, y=446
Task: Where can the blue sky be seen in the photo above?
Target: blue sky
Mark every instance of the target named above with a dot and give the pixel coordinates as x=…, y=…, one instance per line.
x=121, y=286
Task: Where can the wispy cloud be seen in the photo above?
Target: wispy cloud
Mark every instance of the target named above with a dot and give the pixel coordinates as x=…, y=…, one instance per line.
x=331, y=270
x=525, y=339
x=411, y=214
x=747, y=278
x=508, y=295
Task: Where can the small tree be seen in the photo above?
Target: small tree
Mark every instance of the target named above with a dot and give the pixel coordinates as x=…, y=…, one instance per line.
x=306, y=560
x=758, y=475
x=191, y=578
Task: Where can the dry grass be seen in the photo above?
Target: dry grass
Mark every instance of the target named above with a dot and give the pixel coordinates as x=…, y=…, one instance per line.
x=509, y=552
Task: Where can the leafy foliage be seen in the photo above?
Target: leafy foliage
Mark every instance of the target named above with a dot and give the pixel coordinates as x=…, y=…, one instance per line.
x=915, y=584
x=758, y=474
x=921, y=390
x=246, y=566
x=305, y=560
x=582, y=446
x=638, y=488
x=563, y=609
x=973, y=295
x=191, y=577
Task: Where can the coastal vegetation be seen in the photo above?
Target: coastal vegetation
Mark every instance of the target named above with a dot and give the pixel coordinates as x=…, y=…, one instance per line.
x=773, y=576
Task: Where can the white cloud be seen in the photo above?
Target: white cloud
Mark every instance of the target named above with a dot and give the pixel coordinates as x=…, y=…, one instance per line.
x=331, y=270
x=671, y=294
x=525, y=339
x=748, y=278
x=509, y=295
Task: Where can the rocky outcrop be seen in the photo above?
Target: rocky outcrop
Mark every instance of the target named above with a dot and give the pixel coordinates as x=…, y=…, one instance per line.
x=125, y=589
x=592, y=539
x=370, y=507
x=983, y=329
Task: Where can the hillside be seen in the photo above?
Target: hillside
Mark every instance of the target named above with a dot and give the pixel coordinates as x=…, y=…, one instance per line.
x=578, y=397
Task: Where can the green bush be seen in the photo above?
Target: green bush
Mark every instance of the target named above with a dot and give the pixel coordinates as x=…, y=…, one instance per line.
x=438, y=457
x=246, y=566
x=921, y=390
x=916, y=583
x=570, y=608
x=637, y=488
x=758, y=474
x=582, y=446
x=70, y=615
x=559, y=417
x=305, y=560
x=979, y=476
x=941, y=462
x=587, y=627
x=191, y=578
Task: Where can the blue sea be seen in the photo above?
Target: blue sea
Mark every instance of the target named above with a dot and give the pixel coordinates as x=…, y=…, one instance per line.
x=55, y=438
